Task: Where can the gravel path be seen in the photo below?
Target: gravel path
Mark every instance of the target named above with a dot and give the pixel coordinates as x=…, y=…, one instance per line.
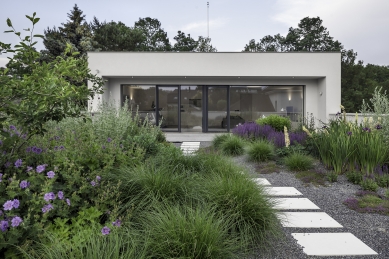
x=372, y=229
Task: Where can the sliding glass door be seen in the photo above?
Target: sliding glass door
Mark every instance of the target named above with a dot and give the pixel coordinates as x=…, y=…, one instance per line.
x=167, y=106
x=217, y=104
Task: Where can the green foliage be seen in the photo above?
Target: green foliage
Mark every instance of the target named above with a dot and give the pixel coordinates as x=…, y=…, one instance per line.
x=45, y=92
x=218, y=140
x=382, y=180
x=286, y=151
x=311, y=177
x=155, y=38
x=369, y=185
x=233, y=146
x=356, y=177
x=332, y=176
x=298, y=162
x=260, y=151
x=184, y=42
x=275, y=121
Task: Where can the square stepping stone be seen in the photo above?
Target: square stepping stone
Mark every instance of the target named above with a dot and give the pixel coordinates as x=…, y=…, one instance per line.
x=332, y=244
x=307, y=220
x=261, y=181
x=294, y=204
x=190, y=144
x=282, y=191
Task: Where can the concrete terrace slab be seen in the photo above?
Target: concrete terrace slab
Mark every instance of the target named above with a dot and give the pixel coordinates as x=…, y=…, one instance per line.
x=282, y=191
x=261, y=181
x=332, y=244
x=181, y=137
x=307, y=220
x=294, y=204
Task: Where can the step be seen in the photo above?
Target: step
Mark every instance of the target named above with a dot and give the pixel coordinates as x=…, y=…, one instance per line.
x=294, y=204
x=282, y=191
x=307, y=220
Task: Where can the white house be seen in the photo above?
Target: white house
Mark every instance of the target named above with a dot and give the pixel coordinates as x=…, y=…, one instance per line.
x=213, y=92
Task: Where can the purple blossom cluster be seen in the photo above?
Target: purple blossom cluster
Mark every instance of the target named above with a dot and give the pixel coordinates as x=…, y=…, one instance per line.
x=9, y=205
x=105, y=230
x=34, y=149
x=18, y=163
x=94, y=183
x=40, y=168
x=47, y=208
x=50, y=174
x=117, y=223
x=59, y=148
x=24, y=184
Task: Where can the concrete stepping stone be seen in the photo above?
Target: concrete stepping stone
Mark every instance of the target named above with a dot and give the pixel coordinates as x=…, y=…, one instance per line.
x=307, y=220
x=332, y=244
x=282, y=191
x=294, y=204
x=261, y=181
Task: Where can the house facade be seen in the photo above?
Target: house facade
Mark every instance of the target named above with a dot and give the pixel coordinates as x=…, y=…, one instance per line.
x=213, y=92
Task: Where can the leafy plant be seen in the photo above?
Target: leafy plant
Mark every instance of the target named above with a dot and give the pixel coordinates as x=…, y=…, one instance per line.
x=369, y=185
x=332, y=176
x=382, y=180
x=355, y=177
x=275, y=121
x=218, y=140
x=260, y=151
x=298, y=162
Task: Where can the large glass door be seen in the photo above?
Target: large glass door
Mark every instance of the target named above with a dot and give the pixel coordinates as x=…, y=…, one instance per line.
x=191, y=108
x=167, y=106
x=217, y=104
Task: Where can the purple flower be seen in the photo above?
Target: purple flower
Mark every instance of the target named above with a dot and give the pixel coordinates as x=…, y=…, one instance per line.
x=40, y=168
x=33, y=149
x=68, y=202
x=1, y=177
x=8, y=205
x=15, y=203
x=105, y=230
x=117, y=223
x=61, y=147
x=57, y=138
x=18, y=163
x=24, y=184
x=109, y=140
x=29, y=168
x=3, y=225
x=38, y=151
x=338, y=113
x=28, y=150
x=366, y=129
x=49, y=196
x=7, y=164
x=349, y=133
x=98, y=178
x=55, y=148
x=378, y=126
x=103, y=147
x=12, y=127
x=50, y=174
x=16, y=221
x=93, y=183
x=60, y=195
x=47, y=208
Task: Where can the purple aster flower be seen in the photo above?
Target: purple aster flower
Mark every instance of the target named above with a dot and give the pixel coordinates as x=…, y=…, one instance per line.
x=60, y=195
x=8, y=205
x=117, y=223
x=12, y=127
x=16, y=221
x=378, y=126
x=50, y=174
x=47, y=208
x=68, y=202
x=29, y=168
x=98, y=178
x=24, y=184
x=3, y=225
x=40, y=168
x=93, y=183
x=38, y=151
x=15, y=203
x=33, y=149
x=18, y=163
x=105, y=230
x=49, y=196
x=109, y=140
x=7, y=164
x=349, y=133
x=28, y=150
x=61, y=147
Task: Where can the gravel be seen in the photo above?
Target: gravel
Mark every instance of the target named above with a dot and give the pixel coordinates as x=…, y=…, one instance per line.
x=372, y=229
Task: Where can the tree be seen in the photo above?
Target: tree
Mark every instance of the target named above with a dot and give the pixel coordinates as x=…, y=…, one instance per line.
x=184, y=42
x=268, y=43
x=204, y=45
x=155, y=37
x=44, y=92
x=114, y=36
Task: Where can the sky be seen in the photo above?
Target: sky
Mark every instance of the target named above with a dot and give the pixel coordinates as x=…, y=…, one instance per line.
x=361, y=25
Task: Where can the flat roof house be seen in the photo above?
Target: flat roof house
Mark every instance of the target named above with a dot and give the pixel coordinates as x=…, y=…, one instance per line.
x=213, y=92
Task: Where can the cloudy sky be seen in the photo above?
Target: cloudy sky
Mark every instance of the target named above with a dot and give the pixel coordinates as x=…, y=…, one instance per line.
x=361, y=25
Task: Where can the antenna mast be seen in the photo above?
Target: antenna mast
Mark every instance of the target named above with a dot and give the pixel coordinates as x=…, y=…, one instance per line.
x=208, y=17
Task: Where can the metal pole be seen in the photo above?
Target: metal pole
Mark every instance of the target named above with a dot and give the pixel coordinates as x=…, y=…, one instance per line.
x=208, y=17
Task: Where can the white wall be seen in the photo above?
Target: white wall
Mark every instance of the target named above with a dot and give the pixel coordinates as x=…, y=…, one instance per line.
x=319, y=72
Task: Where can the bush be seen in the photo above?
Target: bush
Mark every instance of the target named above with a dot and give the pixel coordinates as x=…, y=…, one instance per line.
x=356, y=177
x=218, y=140
x=332, y=177
x=233, y=146
x=298, y=162
x=369, y=185
x=252, y=131
x=260, y=151
x=275, y=121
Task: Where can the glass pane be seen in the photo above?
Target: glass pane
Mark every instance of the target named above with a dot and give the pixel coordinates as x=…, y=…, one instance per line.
x=168, y=107
x=217, y=108
x=141, y=99
x=191, y=108
x=253, y=102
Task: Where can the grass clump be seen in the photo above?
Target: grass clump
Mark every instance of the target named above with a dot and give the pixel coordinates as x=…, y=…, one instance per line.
x=260, y=151
x=233, y=146
x=298, y=162
x=219, y=140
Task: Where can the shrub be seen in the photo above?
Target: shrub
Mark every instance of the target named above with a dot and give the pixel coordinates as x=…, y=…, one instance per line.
x=260, y=151
x=252, y=131
x=298, y=162
x=218, y=140
x=369, y=185
x=286, y=151
x=275, y=121
x=382, y=180
x=356, y=177
x=233, y=146
x=332, y=177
